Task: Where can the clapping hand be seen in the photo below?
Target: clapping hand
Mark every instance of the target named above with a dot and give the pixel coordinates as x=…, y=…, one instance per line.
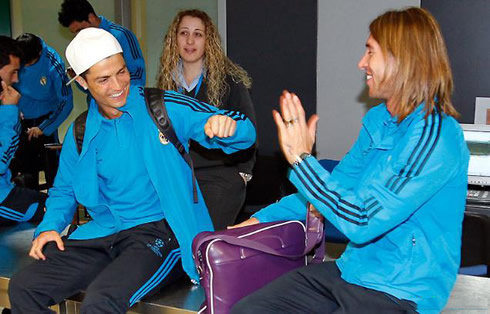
x=296, y=136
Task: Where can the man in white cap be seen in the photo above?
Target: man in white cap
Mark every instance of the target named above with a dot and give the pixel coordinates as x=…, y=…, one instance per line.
x=137, y=189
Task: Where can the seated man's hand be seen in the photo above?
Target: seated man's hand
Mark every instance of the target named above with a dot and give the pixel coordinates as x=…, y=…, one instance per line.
x=34, y=132
x=36, y=251
x=220, y=126
x=314, y=211
x=9, y=95
x=248, y=222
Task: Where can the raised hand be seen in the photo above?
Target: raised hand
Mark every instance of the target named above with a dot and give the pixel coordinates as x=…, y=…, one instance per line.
x=9, y=95
x=296, y=136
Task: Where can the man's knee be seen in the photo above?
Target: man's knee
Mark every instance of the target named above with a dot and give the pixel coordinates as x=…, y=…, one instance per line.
x=24, y=294
x=18, y=285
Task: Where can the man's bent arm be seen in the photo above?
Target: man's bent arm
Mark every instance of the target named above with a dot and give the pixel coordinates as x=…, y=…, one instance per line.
x=9, y=135
x=61, y=203
x=189, y=116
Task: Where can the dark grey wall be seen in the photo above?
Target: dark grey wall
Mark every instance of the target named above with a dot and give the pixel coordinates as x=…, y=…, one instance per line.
x=5, y=18
x=466, y=29
x=276, y=42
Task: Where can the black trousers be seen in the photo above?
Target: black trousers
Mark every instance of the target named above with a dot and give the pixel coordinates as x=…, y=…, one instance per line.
x=224, y=192
x=318, y=288
x=32, y=157
x=22, y=204
x=115, y=271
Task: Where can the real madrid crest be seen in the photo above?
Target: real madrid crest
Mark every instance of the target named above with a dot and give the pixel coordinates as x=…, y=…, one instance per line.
x=163, y=138
x=43, y=80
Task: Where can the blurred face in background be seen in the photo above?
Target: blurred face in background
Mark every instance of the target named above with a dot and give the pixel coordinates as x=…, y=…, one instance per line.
x=9, y=73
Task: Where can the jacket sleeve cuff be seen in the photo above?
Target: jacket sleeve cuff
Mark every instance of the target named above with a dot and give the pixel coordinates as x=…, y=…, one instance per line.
x=306, y=172
x=47, y=226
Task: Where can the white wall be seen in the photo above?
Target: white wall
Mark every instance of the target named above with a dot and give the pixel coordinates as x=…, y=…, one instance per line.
x=341, y=90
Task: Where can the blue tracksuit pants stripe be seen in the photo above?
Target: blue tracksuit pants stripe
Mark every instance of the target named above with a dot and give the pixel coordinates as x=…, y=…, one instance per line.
x=158, y=277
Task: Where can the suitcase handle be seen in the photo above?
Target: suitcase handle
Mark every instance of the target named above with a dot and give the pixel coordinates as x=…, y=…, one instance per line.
x=314, y=235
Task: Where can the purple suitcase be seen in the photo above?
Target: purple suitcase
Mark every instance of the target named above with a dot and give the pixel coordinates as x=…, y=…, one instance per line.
x=234, y=263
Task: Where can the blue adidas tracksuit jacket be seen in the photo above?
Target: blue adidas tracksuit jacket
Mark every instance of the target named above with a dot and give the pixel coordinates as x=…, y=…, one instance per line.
x=9, y=141
x=399, y=196
x=44, y=91
x=131, y=50
x=10, y=129
x=78, y=180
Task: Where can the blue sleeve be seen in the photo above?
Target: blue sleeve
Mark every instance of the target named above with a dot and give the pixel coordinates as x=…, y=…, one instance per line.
x=132, y=54
x=64, y=96
x=189, y=116
x=9, y=135
x=291, y=207
x=426, y=160
x=61, y=203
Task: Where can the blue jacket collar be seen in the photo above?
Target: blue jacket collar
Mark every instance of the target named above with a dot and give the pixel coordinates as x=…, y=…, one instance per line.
x=381, y=126
x=104, y=23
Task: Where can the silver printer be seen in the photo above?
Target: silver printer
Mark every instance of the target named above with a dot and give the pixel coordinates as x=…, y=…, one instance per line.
x=477, y=137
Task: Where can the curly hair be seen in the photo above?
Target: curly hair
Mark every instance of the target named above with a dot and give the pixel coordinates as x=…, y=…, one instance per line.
x=216, y=63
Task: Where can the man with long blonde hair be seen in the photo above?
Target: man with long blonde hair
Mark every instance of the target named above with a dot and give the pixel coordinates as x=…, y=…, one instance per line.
x=398, y=195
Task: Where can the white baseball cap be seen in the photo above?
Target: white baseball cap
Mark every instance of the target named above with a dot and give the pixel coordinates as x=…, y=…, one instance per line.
x=90, y=46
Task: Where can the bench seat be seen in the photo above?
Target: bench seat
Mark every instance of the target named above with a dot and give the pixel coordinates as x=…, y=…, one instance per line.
x=470, y=294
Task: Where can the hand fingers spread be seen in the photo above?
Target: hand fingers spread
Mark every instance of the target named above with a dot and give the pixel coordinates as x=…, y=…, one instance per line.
x=36, y=251
x=285, y=104
x=312, y=126
x=292, y=102
x=281, y=127
x=60, y=244
x=299, y=111
x=32, y=252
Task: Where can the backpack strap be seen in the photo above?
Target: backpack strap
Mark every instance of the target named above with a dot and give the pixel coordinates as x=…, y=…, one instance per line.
x=79, y=130
x=158, y=112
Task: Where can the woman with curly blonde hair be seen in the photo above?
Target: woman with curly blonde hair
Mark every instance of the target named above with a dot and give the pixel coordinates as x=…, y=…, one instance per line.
x=193, y=63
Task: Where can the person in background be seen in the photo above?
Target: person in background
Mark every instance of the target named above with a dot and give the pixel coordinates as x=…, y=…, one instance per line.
x=79, y=14
x=398, y=195
x=45, y=103
x=194, y=64
x=17, y=204
x=135, y=185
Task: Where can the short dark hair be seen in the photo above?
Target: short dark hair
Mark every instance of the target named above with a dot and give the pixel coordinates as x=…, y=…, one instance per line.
x=8, y=47
x=74, y=10
x=31, y=47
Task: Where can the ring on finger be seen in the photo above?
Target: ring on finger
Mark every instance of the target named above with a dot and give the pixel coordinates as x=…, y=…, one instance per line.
x=289, y=123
